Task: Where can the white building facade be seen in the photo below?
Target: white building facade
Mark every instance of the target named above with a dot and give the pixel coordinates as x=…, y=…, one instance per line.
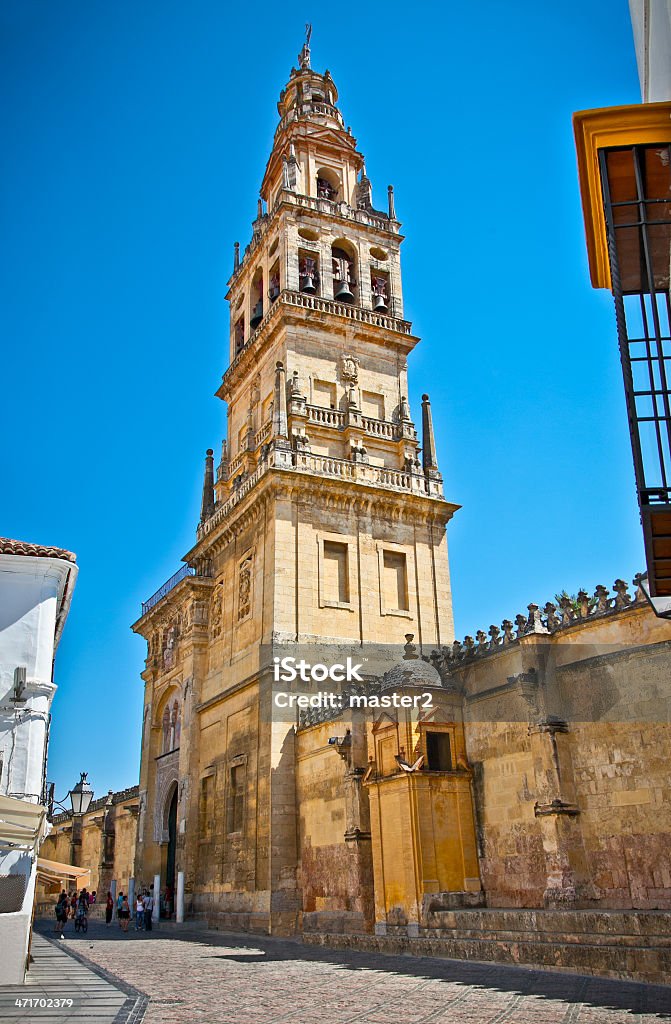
x=36, y=585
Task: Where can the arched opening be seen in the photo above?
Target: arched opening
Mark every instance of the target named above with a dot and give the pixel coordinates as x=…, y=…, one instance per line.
x=256, y=300
x=308, y=271
x=328, y=184
x=345, y=288
x=171, y=856
x=171, y=726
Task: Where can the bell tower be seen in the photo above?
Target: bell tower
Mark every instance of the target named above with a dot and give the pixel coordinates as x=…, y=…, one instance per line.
x=321, y=521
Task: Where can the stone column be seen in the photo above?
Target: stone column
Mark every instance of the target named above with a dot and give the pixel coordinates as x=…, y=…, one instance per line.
x=179, y=911
x=280, y=428
x=557, y=813
x=156, y=912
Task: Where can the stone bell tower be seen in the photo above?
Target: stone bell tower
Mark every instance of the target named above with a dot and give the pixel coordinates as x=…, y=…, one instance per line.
x=321, y=522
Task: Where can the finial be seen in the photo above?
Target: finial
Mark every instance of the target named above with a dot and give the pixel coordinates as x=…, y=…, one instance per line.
x=207, y=504
x=429, y=461
x=392, y=208
x=259, y=208
x=236, y=256
x=304, y=55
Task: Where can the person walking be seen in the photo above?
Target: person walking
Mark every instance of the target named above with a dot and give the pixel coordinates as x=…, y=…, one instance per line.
x=124, y=916
x=109, y=908
x=119, y=901
x=139, y=913
x=148, y=903
x=61, y=913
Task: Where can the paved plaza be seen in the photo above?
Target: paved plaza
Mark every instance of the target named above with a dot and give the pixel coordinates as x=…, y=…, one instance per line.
x=192, y=975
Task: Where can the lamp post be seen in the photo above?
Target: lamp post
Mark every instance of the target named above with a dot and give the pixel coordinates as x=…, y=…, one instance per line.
x=81, y=796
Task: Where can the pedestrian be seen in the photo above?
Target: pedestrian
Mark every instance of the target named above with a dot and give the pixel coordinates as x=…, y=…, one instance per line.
x=61, y=913
x=124, y=915
x=94, y=897
x=109, y=908
x=119, y=901
x=148, y=903
x=139, y=913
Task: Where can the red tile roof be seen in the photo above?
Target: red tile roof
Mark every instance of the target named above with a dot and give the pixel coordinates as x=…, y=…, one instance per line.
x=22, y=547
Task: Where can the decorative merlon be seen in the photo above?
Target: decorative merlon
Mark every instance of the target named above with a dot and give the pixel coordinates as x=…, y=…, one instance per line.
x=554, y=617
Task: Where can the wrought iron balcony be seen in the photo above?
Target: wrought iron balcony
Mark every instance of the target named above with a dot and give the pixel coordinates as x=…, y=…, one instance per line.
x=204, y=571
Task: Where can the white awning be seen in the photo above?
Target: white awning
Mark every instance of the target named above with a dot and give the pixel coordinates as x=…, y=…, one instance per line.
x=54, y=871
x=22, y=825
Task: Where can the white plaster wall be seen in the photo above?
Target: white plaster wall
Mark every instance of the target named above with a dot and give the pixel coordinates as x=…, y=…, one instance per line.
x=34, y=595
x=651, y=22
x=31, y=593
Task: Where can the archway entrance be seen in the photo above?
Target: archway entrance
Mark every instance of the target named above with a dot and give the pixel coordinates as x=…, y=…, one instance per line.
x=172, y=851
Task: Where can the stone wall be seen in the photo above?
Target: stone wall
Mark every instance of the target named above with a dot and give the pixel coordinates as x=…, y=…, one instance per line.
x=105, y=844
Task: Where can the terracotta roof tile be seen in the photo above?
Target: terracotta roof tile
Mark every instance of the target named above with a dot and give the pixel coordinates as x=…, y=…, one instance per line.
x=22, y=547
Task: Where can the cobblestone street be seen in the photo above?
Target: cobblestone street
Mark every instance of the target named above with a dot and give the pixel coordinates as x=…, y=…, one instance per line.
x=192, y=975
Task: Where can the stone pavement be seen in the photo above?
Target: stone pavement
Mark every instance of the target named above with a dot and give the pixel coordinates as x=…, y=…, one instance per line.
x=191, y=974
x=57, y=978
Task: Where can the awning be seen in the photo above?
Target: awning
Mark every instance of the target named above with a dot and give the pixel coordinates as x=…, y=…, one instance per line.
x=54, y=871
x=22, y=825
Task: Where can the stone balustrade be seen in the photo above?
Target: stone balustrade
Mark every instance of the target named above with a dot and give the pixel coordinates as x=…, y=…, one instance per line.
x=320, y=465
x=325, y=417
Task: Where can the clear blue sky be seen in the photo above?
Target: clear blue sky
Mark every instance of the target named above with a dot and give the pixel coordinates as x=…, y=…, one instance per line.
x=135, y=137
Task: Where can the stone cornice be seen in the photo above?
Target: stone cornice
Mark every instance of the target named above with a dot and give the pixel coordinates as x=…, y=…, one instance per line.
x=353, y=496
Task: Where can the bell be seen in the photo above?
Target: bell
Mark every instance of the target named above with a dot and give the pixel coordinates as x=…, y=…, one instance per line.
x=308, y=284
x=257, y=315
x=380, y=304
x=343, y=294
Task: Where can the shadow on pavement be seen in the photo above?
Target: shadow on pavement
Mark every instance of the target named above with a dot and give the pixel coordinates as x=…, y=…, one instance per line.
x=607, y=993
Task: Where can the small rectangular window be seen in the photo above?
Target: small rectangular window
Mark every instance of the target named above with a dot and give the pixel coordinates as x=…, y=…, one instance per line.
x=438, y=752
x=336, y=572
x=395, y=581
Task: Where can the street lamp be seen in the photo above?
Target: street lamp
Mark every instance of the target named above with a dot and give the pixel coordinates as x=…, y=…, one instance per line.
x=81, y=795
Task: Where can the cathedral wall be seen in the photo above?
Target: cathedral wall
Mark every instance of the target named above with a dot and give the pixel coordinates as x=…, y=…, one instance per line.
x=580, y=806
x=335, y=876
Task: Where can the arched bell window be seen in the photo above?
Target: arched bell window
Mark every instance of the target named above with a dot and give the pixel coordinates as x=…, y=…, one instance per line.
x=328, y=185
x=379, y=289
x=239, y=334
x=308, y=272
x=256, y=300
x=345, y=288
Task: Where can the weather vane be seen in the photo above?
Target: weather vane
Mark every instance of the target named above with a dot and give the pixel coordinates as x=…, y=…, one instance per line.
x=304, y=55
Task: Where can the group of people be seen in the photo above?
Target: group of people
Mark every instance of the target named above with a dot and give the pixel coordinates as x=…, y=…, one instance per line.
x=72, y=906
x=142, y=911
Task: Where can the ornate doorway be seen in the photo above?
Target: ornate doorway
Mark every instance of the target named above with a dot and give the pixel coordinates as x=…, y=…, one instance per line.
x=172, y=850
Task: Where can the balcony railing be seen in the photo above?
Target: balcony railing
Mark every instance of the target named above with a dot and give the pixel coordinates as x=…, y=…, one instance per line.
x=181, y=574
x=325, y=417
